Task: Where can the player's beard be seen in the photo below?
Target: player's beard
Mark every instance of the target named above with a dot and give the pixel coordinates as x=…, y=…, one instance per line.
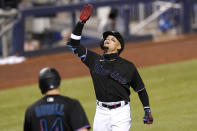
x=104, y=48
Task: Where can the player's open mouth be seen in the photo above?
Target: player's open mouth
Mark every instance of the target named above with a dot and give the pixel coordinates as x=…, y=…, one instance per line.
x=106, y=42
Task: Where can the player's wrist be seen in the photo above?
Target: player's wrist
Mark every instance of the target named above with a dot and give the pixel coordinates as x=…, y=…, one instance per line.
x=82, y=22
x=147, y=109
x=78, y=29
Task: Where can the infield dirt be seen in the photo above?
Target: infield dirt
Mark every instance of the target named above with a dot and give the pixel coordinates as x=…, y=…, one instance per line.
x=141, y=54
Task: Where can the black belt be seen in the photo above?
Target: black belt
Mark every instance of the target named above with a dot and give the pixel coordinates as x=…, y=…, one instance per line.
x=112, y=106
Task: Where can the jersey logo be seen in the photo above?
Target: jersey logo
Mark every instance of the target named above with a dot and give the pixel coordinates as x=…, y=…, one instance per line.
x=99, y=69
x=116, y=76
x=50, y=99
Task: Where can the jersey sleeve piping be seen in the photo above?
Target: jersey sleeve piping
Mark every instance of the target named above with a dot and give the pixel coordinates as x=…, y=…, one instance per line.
x=140, y=90
x=84, y=56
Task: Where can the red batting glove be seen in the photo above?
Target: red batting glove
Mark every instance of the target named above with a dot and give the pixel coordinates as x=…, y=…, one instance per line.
x=86, y=12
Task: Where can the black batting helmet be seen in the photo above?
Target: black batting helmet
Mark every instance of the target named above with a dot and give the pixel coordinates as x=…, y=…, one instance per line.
x=49, y=79
x=118, y=37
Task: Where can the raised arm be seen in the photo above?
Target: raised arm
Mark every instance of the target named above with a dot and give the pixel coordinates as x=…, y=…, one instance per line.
x=74, y=43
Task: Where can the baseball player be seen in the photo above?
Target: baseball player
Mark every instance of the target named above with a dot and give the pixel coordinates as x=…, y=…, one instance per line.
x=112, y=78
x=54, y=112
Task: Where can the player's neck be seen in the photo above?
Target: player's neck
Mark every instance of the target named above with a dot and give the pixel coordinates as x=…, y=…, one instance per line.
x=112, y=56
x=53, y=92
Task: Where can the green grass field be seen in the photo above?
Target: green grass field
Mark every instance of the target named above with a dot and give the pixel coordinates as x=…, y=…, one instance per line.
x=172, y=90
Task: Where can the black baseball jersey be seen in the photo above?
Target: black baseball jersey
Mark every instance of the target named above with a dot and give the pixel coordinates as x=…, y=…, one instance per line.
x=112, y=75
x=55, y=113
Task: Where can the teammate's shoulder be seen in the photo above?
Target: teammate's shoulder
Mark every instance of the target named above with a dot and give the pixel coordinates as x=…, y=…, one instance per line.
x=31, y=107
x=69, y=100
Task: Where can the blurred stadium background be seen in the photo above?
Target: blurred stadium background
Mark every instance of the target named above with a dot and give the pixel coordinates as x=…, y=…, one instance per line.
x=156, y=32
x=35, y=27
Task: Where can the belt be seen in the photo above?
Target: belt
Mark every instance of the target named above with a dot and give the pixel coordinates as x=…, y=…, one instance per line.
x=114, y=106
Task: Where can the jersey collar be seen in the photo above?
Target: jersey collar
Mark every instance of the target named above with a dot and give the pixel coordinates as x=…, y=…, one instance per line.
x=111, y=56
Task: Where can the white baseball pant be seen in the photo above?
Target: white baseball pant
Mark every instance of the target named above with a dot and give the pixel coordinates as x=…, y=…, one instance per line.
x=118, y=119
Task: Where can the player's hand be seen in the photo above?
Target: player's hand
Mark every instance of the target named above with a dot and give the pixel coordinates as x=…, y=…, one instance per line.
x=86, y=12
x=148, y=119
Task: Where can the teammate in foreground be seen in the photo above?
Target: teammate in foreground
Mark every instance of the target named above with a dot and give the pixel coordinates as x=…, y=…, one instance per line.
x=112, y=77
x=54, y=112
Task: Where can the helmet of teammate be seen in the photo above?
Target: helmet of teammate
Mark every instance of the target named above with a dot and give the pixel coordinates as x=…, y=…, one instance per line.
x=118, y=37
x=49, y=79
